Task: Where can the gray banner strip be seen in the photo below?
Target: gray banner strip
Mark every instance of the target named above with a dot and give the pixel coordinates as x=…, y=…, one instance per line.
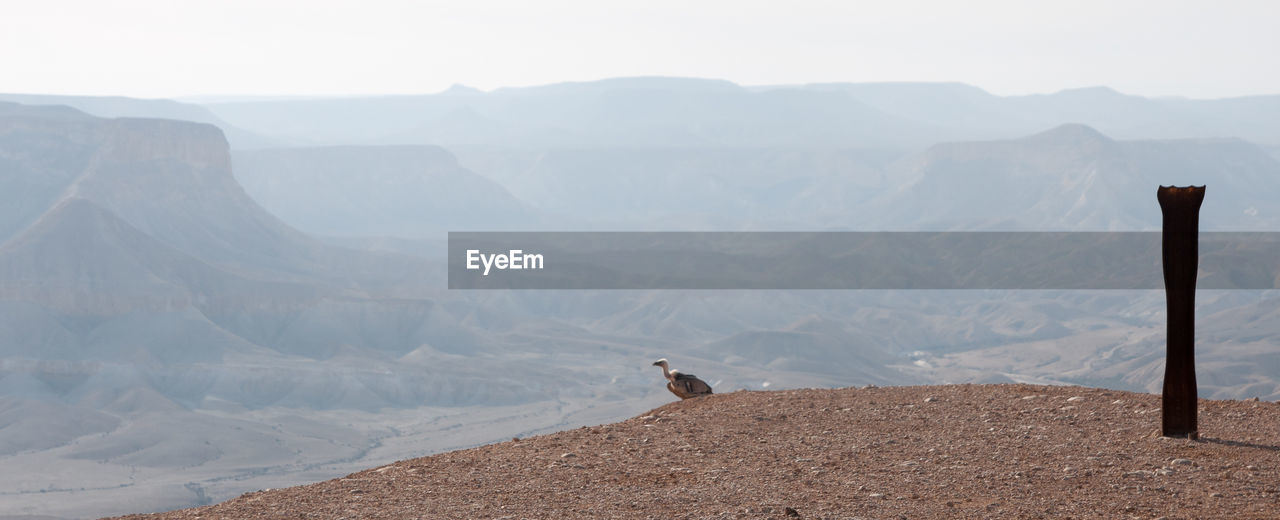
x=849, y=260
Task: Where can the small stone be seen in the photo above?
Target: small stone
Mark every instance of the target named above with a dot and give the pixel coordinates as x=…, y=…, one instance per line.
x=876, y=495
x=930, y=399
x=791, y=512
x=1180, y=461
x=568, y=455
x=1074, y=399
x=1215, y=495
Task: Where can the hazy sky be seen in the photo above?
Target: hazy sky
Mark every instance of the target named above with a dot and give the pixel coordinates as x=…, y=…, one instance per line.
x=161, y=48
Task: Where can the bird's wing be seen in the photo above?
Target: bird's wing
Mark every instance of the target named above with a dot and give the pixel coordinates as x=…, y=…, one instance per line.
x=692, y=385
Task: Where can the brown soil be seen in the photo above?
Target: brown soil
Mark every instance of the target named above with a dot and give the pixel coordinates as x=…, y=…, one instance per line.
x=968, y=451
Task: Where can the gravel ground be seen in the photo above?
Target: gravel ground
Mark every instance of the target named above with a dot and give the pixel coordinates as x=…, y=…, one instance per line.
x=965, y=451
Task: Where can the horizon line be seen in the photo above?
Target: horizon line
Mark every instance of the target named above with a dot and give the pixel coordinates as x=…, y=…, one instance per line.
x=216, y=98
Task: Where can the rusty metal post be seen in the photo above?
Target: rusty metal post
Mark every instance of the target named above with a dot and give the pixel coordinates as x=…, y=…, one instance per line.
x=1181, y=252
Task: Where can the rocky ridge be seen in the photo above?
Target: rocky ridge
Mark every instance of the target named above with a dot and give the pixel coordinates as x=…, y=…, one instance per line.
x=962, y=451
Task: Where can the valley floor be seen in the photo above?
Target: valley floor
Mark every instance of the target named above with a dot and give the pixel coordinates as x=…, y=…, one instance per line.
x=158, y=461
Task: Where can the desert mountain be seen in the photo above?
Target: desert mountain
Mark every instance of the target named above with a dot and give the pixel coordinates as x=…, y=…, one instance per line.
x=680, y=153
x=117, y=106
x=1069, y=177
x=1073, y=177
x=80, y=259
x=976, y=114
x=681, y=112
x=689, y=188
x=646, y=112
x=170, y=180
x=401, y=191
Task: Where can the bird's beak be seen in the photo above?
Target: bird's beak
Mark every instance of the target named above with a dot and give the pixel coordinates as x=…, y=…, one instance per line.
x=657, y=363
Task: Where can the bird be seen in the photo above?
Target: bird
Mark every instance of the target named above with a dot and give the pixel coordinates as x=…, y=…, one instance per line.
x=684, y=386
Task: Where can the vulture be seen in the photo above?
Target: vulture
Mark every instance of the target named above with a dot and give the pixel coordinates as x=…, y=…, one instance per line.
x=683, y=385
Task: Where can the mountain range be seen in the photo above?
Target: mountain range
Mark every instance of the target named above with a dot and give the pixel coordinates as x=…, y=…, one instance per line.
x=682, y=112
